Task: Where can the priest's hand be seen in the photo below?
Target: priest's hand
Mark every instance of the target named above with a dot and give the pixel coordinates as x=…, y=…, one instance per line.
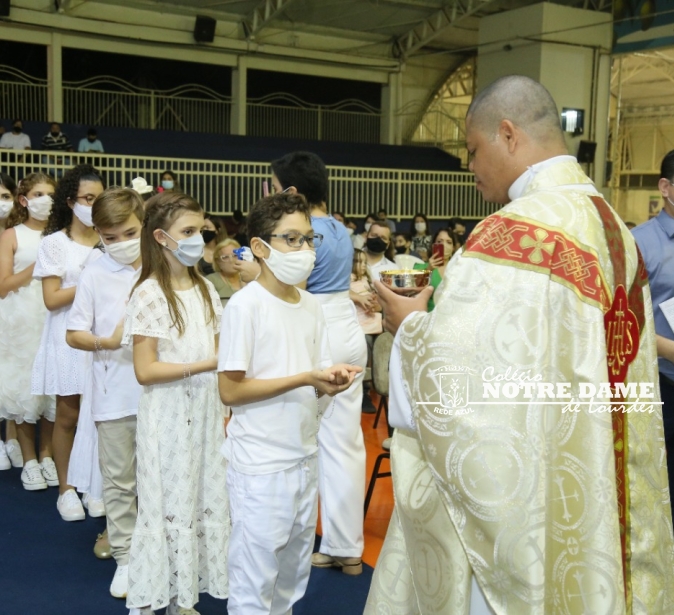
x=397, y=308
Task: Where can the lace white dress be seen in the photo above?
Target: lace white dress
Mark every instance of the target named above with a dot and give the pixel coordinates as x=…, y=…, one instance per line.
x=22, y=317
x=58, y=368
x=180, y=542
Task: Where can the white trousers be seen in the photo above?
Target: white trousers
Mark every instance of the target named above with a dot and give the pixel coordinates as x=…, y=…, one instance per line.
x=341, y=449
x=273, y=531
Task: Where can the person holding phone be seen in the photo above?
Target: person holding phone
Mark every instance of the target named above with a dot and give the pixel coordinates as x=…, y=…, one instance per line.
x=445, y=243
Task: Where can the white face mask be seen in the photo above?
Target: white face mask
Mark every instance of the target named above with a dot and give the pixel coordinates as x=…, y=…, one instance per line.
x=40, y=208
x=83, y=213
x=367, y=226
x=420, y=227
x=189, y=251
x=349, y=231
x=290, y=267
x=5, y=208
x=124, y=252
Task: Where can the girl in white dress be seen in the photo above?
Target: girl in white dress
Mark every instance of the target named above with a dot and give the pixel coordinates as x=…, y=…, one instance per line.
x=22, y=315
x=179, y=545
x=10, y=451
x=67, y=246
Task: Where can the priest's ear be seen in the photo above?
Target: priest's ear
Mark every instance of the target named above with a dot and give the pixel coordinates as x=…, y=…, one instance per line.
x=665, y=187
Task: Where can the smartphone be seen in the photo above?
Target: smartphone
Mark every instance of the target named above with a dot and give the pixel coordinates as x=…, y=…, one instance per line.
x=439, y=250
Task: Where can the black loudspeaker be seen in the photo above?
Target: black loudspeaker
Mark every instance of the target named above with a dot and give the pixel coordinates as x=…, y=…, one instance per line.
x=204, y=29
x=4, y=8
x=586, y=150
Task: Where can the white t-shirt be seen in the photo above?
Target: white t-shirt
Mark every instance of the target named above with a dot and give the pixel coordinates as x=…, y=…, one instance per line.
x=11, y=141
x=270, y=338
x=100, y=304
x=383, y=265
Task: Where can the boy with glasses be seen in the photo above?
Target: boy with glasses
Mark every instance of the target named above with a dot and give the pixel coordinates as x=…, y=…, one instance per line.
x=274, y=364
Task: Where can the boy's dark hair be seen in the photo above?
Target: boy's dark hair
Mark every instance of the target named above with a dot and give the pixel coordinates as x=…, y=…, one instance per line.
x=452, y=222
x=667, y=166
x=266, y=213
x=307, y=172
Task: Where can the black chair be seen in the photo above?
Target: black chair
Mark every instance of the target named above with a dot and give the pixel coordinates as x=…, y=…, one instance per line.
x=376, y=473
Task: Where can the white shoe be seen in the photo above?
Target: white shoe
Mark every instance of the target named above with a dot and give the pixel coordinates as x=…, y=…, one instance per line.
x=174, y=609
x=96, y=508
x=31, y=476
x=70, y=507
x=49, y=472
x=120, y=582
x=14, y=453
x=5, y=463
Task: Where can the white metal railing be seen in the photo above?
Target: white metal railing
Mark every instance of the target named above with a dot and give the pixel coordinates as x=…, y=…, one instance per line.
x=22, y=95
x=110, y=101
x=285, y=115
x=224, y=186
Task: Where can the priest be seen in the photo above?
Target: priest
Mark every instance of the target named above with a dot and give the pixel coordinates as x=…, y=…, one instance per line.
x=528, y=461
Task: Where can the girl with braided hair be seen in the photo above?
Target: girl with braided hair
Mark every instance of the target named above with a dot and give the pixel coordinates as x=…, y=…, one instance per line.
x=67, y=245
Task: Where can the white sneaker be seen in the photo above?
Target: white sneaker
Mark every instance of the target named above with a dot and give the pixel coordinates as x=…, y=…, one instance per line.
x=49, y=472
x=70, y=507
x=174, y=609
x=31, y=476
x=120, y=582
x=14, y=453
x=96, y=508
x=5, y=463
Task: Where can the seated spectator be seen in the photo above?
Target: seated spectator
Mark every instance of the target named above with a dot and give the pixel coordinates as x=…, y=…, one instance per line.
x=91, y=143
x=226, y=279
x=351, y=227
x=16, y=139
x=359, y=239
x=457, y=225
x=169, y=182
x=421, y=236
x=405, y=257
x=379, y=250
x=55, y=140
x=381, y=215
x=339, y=216
x=213, y=232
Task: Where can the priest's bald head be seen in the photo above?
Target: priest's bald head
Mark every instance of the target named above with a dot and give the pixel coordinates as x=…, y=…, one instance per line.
x=511, y=124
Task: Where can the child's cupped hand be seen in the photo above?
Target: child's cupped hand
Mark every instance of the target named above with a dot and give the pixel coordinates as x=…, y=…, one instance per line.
x=336, y=378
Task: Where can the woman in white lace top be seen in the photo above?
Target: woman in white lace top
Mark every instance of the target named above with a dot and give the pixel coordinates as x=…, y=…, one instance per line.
x=179, y=546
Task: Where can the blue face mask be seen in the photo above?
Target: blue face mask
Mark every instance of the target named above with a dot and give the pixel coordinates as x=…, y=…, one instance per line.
x=189, y=251
x=167, y=184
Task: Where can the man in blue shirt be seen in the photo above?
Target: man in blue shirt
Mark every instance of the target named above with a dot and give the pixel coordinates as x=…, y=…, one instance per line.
x=91, y=143
x=655, y=239
x=341, y=448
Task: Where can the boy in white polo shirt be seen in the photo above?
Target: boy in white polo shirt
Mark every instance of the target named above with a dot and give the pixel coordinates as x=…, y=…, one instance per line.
x=95, y=324
x=274, y=363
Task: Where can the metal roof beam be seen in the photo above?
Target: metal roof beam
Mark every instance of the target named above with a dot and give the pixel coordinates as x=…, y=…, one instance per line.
x=448, y=16
x=266, y=11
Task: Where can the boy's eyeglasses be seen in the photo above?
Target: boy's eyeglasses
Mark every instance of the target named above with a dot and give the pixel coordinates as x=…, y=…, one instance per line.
x=296, y=240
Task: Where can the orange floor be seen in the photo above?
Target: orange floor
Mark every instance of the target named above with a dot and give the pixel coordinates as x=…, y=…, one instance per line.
x=381, y=505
